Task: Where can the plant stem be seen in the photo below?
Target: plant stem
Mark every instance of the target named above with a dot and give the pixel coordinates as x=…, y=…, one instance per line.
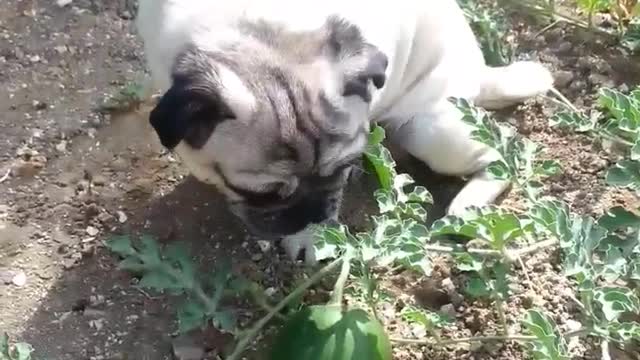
x=577, y=333
x=195, y=288
x=525, y=338
x=338, y=288
x=604, y=347
x=253, y=332
x=496, y=253
x=501, y=314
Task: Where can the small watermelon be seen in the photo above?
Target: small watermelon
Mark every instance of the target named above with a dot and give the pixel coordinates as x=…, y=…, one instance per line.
x=327, y=332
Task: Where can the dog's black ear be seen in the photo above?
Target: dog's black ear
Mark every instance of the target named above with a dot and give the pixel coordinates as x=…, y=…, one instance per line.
x=190, y=110
x=362, y=62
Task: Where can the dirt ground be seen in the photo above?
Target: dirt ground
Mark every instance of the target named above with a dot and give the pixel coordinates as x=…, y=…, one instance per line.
x=74, y=176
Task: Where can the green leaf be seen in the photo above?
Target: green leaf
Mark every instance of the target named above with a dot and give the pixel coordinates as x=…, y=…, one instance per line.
x=149, y=251
x=133, y=265
x=178, y=256
x=594, y=5
x=635, y=151
x=376, y=136
x=477, y=287
x=420, y=194
x=22, y=351
x=469, y=262
x=550, y=344
x=121, y=245
x=4, y=344
x=499, y=170
x=624, y=174
x=225, y=320
x=191, y=315
x=378, y=159
x=330, y=241
x=615, y=301
x=428, y=319
x=631, y=38
x=624, y=332
x=572, y=120
x=491, y=224
x=549, y=168
x=617, y=218
x=158, y=280
x=500, y=282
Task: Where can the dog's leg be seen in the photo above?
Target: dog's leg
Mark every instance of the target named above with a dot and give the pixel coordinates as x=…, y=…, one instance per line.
x=443, y=141
x=509, y=85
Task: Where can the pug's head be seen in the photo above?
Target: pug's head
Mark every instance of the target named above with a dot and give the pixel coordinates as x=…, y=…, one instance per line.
x=274, y=119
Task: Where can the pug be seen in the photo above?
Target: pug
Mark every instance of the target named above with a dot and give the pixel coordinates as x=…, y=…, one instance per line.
x=271, y=101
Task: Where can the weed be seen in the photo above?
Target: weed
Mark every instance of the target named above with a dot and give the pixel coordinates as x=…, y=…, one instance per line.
x=127, y=98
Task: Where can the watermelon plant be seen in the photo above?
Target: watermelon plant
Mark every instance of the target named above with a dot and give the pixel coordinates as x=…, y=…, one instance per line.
x=14, y=351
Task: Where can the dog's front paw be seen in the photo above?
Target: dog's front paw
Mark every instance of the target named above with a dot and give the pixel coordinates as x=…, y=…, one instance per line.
x=300, y=241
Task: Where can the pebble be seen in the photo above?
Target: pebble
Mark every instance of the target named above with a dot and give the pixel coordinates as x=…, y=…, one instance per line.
x=564, y=47
x=449, y=309
x=92, y=231
x=122, y=217
x=256, y=257
x=19, y=279
x=99, y=180
x=62, y=146
x=563, y=78
x=264, y=245
x=63, y=3
x=601, y=80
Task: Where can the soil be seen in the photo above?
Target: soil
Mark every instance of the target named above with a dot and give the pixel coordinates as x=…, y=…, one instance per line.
x=76, y=175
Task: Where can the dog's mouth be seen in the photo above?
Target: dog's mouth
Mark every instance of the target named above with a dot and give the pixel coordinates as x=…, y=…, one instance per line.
x=274, y=226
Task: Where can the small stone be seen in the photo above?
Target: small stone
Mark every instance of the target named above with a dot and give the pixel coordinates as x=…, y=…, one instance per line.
x=39, y=105
x=532, y=299
x=63, y=3
x=563, y=78
x=92, y=231
x=564, y=47
x=97, y=324
x=6, y=276
x=448, y=286
x=27, y=168
x=184, y=348
x=264, y=245
x=601, y=80
x=104, y=217
x=449, y=309
x=270, y=291
x=62, y=146
x=256, y=257
x=19, y=279
x=99, y=180
x=122, y=217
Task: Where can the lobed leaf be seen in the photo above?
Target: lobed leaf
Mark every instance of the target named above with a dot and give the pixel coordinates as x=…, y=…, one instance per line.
x=624, y=174
x=615, y=301
x=427, y=319
x=550, y=345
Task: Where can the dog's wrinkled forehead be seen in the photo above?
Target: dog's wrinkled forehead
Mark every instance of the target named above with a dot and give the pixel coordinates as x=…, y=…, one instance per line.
x=273, y=104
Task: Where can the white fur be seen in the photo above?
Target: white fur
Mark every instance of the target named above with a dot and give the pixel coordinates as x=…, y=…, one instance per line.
x=433, y=55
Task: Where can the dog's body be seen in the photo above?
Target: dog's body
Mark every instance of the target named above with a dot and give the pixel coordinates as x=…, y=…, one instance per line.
x=417, y=53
